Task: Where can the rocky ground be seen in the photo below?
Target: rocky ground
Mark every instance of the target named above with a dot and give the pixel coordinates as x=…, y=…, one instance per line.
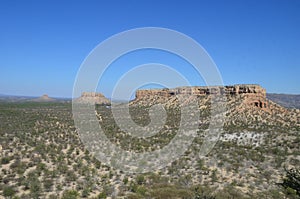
x=43, y=157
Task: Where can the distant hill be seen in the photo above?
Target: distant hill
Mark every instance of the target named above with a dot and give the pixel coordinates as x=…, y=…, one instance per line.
x=285, y=100
x=44, y=98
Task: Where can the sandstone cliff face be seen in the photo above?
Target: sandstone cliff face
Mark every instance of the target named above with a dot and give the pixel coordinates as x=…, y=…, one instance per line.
x=204, y=90
x=253, y=95
x=92, y=98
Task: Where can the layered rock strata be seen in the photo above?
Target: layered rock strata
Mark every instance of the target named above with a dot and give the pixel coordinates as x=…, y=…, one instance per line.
x=252, y=94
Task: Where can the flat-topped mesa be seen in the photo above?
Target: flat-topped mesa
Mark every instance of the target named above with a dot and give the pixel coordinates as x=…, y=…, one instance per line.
x=92, y=94
x=204, y=90
x=93, y=98
x=254, y=94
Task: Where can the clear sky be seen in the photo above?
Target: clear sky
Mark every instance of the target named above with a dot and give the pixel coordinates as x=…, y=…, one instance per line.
x=43, y=43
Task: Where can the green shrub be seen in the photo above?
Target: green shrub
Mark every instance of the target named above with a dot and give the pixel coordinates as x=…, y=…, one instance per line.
x=5, y=160
x=291, y=182
x=102, y=195
x=70, y=194
x=140, y=179
x=8, y=191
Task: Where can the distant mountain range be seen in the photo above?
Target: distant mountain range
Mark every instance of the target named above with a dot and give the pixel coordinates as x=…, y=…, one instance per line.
x=19, y=99
x=285, y=100
x=11, y=98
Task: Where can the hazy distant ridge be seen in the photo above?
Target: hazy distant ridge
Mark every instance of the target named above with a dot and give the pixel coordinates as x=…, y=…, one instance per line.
x=285, y=100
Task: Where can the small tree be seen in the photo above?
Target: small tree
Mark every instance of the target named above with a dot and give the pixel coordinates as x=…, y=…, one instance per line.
x=291, y=182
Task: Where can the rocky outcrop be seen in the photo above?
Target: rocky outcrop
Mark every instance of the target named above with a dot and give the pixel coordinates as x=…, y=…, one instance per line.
x=253, y=95
x=92, y=98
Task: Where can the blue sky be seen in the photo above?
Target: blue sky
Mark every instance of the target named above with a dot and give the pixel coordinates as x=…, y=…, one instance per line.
x=43, y=43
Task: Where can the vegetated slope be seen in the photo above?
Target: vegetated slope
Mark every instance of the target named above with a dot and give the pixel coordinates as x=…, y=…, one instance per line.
x=260, y=139
x=285, y=100
x=42, y=155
